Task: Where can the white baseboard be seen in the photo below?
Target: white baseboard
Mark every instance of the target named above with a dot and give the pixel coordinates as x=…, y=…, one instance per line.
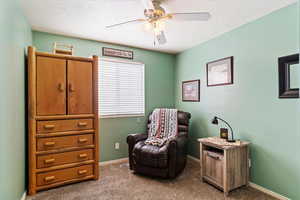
x=253, y=185
x=267, y=191
x=24, y=195
x=194, y=159
x=109, y=162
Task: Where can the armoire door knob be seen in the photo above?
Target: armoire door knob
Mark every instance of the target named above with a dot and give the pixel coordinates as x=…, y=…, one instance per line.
x=71, y=88
x=61, y=87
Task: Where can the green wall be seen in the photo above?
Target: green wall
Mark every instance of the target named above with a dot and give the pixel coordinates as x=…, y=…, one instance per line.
x=159, y=87
x=15, y=35
x=251, y=105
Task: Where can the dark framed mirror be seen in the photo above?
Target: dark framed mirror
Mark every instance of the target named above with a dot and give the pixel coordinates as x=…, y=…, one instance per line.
x=289, y=76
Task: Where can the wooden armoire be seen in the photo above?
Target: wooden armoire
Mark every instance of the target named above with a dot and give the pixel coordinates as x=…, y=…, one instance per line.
x=63, y=122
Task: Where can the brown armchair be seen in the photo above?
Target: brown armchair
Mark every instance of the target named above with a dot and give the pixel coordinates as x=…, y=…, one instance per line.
x=166, y=161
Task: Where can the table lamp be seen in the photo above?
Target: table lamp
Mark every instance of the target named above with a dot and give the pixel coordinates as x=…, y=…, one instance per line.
x=215, y=121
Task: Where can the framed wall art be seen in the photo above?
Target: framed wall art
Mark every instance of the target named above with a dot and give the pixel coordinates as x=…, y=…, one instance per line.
x=191, y=90
x=117, y=53
x=288, y=70
x=220, y=72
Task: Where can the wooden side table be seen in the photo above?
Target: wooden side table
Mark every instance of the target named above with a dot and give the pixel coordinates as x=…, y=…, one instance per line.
x=224, y=165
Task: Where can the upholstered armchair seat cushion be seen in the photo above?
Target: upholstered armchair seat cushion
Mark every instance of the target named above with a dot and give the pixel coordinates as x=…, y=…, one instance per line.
x=149, y=155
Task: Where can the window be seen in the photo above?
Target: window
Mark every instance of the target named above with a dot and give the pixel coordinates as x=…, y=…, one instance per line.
x=121, y=88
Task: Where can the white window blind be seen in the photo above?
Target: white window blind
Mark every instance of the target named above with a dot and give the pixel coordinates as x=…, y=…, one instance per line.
x=121, y=88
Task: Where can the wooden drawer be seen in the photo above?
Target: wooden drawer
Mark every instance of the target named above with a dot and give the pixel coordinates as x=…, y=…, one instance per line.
x=45, y=144
x=213, y=167
x=64, y=125
x=64, y=175
x=64, y=158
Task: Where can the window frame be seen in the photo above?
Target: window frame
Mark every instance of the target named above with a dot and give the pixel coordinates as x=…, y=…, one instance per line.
x=144, y=82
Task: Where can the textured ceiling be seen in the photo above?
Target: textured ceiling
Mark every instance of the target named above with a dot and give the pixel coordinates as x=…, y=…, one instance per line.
x=88, y=18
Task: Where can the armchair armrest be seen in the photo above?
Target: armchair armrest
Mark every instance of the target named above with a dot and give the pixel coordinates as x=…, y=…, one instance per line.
x=179, y=142
x=132, y=139
x=177, y=151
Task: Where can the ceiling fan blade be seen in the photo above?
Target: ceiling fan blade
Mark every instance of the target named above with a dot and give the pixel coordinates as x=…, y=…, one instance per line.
x=193, y=16
x=127, y=22
x=161, y=38
x=148, y=4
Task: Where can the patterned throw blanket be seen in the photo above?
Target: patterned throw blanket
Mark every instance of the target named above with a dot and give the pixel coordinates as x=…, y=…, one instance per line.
x=163, y=127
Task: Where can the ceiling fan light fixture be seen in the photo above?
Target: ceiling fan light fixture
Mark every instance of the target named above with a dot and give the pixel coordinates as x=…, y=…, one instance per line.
x=158, y=26
x=161, y=24
x=157, y=32
x=156, y=15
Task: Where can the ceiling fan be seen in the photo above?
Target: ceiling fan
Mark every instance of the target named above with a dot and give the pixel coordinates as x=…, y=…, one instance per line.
x=155, y=16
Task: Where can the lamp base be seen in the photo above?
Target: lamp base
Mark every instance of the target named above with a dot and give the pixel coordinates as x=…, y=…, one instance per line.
x=231, y=141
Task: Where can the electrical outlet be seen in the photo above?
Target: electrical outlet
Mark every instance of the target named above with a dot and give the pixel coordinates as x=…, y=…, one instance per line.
x=249, y=163
x=117, y=145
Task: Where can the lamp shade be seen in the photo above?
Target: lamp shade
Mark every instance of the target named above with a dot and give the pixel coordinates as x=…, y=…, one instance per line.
x=215, y=121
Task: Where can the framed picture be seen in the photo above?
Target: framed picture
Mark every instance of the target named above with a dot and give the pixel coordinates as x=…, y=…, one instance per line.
x=117, y=53
x=220, y=72
x=191, y=90
x=224, y=133
x=288, y=70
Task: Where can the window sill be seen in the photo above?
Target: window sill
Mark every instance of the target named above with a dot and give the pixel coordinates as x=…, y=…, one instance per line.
x=121, y=116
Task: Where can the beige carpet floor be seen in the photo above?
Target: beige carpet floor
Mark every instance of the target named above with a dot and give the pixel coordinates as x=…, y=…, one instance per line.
x=117, y=182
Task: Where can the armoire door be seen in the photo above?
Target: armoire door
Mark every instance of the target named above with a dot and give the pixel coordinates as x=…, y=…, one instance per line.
x=51, y=84
x=80, y=83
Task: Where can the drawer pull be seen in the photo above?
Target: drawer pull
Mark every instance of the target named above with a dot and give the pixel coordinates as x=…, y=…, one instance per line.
x=213, y=156
x=49, y=144
x=82, y=140
x=49, y=178
x=49, y=126
x=49, y=161
x=81, y=172
x=82, y=124
x=83, y=155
